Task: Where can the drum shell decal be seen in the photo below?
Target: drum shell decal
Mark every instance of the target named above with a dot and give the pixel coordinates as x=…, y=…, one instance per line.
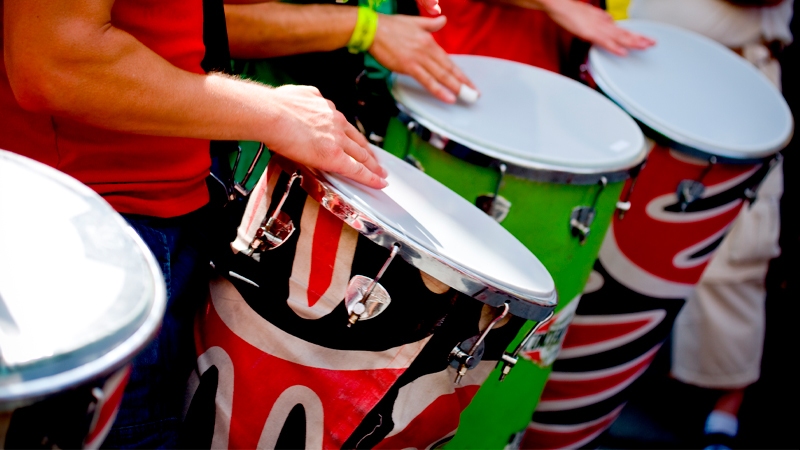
x=672, y=247
x=276, y=337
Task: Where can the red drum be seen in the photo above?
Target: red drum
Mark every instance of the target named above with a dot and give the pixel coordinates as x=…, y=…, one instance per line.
x=661, y=246
x=716, y=123
x=80, y=296
x=351, y=317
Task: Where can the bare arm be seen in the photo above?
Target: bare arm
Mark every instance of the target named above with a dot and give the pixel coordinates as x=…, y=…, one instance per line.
x=65, y=57
x=402, y=44
x=587, y=22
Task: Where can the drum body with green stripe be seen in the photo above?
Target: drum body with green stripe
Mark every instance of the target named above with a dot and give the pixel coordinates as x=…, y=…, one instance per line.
x=548, y=158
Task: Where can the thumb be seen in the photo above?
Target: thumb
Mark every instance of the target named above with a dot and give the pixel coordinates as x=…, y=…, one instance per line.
x=432, y=24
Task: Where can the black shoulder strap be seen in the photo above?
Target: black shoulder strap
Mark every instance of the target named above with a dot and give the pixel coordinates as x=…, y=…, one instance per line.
x=215, y=38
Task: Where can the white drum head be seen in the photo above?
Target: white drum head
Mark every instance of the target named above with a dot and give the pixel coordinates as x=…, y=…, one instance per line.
x=696, y=92
x=530, y=117
x=77, y=287
x=426, y=213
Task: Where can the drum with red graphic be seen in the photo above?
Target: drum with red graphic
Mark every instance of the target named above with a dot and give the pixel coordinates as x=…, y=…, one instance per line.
x=352, y=317
x=80, y=296
x=715, y=123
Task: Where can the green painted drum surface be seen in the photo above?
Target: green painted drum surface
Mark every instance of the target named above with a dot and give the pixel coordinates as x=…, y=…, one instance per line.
x=539, y=217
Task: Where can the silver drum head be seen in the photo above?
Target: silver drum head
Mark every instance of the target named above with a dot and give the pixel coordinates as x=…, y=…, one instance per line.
x=531, y=118
x=696, y=92
x=440, y=233
x=80, y=294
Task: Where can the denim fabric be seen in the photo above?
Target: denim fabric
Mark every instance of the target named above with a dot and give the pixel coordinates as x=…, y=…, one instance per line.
x=151, y=408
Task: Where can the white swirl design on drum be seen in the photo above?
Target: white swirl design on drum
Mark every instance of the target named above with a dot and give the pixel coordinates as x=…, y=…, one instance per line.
x=223, y=410
x=656, y=208
x=329, y=245
x=559, y=436
x=587, y=388
x=628, y=274
x=314, y=413
x=583, y=341
x=699, y=253
x=237, y=315
x=415, y=397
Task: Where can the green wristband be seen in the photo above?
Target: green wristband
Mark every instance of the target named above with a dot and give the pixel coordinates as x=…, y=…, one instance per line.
x=364, y=32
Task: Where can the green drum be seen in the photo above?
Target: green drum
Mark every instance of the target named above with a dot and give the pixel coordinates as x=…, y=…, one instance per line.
x=548, y=158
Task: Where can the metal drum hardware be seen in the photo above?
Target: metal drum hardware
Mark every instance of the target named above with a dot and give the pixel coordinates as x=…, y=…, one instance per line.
x=581, y=219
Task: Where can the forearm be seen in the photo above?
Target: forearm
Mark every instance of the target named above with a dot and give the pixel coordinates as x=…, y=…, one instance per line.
x=277, y=29
x=102, y=76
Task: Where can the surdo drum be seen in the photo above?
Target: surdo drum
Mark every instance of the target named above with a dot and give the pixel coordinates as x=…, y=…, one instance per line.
x=714, y=123
x=352, y=317
x=80, y=296
x=547, y=157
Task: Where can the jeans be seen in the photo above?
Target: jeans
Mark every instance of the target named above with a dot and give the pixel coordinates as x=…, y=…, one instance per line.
x=151, y=408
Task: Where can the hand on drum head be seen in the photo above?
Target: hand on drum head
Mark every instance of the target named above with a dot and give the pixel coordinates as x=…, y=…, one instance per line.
x=312, y=132
x=404, y=44
x=594, y=25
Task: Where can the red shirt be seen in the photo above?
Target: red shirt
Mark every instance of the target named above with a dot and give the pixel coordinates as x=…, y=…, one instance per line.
x=149, y=175
x=528, y=36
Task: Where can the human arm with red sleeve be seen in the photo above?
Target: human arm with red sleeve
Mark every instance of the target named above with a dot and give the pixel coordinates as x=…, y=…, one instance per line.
x=587, y=22
x=66, y=58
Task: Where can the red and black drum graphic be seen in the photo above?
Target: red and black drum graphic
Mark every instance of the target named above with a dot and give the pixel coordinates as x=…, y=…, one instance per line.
x=716, y=132
x=278, y=367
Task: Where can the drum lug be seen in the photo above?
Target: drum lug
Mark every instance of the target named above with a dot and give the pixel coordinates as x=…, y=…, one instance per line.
x=469, y=360
x=623, y=207
x=459, y=356
x=276, y=229
x=510, y=360
x=497, y=207
x=409, y=158
x=581, y=219
x=240, y=187
x=378, y=301
x=580, y=222
x=494, y=204
x=690, y=191
x=360, y=305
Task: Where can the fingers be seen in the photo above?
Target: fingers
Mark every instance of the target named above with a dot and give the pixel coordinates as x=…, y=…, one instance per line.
x=359, y=165
x=368, y=158
x=636, y=41
x=442, y=74
x=432, y=25
x=432, y=6
x=432, y=85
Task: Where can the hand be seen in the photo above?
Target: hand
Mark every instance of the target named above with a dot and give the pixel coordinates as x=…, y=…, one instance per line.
x=312, y=132
x=594, y=25
x=404, y=44
x=432, y=6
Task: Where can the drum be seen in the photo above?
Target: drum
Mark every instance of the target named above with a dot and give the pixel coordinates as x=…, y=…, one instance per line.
x=352, y=317
x=714, y=122
x=547, y=157
x=80, y=296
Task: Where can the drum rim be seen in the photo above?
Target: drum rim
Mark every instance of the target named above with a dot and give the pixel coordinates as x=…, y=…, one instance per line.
x=24, y=392
x=529, y=167
x=520, y=167
x=531, y=306
x=693, y=145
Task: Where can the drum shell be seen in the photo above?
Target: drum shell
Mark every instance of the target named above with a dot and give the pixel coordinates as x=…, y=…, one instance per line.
x=289, y=344
x=671, y=246
x=539, y=217
x=80, y=417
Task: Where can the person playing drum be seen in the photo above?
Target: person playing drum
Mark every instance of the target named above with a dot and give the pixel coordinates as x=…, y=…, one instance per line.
x=115, y=94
